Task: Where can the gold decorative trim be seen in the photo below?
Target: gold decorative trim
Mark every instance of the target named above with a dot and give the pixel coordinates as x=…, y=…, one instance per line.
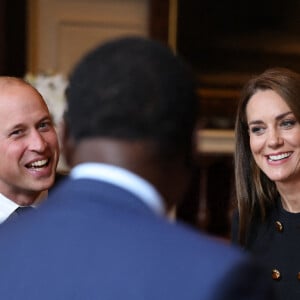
x=172, y=28
x=215, y=141
x=32, y=32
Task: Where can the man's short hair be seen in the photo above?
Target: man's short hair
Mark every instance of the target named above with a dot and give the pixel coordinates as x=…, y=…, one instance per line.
x=133, y=88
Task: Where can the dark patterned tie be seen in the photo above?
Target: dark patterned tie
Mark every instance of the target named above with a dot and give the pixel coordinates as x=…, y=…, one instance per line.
x=23, y=210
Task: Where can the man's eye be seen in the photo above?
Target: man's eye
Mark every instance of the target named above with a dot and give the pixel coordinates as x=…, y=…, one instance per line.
x=45, y=125
x=16, y=132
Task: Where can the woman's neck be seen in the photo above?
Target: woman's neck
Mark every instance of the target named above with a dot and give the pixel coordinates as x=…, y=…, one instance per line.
x=290, y=196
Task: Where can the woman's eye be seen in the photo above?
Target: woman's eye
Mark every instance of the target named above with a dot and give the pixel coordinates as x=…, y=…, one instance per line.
x=256, y=130
x=288, y=123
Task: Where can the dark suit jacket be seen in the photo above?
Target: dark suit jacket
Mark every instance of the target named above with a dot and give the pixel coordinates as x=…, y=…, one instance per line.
x=93, y=240
x=276, y=244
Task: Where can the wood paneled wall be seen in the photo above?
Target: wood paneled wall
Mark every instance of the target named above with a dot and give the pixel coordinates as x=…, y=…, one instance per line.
x=61, y=31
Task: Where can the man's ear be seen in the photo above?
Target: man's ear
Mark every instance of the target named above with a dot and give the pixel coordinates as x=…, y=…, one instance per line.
x=68, y=143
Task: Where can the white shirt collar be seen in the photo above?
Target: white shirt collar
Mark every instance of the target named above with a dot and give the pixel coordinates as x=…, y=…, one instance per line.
x=122, y=178
x=7, y=207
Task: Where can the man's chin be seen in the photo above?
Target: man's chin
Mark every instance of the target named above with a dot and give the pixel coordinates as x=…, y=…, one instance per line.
x=43, y=185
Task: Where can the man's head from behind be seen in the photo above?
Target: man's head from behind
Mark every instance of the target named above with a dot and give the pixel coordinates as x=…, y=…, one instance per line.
x=134, y=90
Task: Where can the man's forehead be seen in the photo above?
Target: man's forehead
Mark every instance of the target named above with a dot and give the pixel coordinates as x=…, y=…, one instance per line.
x=6, y=81
x=21, y=108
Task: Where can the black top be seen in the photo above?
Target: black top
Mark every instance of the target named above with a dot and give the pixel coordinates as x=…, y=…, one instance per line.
x=276, y=243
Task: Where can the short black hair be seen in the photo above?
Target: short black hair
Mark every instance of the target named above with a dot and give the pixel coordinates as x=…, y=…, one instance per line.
x=133, y=88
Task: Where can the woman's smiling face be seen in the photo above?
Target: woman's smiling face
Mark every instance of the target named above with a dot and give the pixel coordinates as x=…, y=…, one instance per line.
x=274, y=136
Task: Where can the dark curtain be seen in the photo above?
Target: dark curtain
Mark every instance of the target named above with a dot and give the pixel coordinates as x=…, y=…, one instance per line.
x=13, y=37
x=158, y=25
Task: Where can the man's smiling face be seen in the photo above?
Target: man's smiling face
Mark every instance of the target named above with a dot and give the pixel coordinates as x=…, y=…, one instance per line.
x=29, y=148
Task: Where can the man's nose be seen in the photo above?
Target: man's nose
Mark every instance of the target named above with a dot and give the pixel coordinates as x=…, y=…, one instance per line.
x=37, y=141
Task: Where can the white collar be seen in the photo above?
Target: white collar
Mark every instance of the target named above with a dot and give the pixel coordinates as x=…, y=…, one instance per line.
x=7, y=207
x=123, y=178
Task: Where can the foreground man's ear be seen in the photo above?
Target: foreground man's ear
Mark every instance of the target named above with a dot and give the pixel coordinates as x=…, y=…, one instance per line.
x=67, y=143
